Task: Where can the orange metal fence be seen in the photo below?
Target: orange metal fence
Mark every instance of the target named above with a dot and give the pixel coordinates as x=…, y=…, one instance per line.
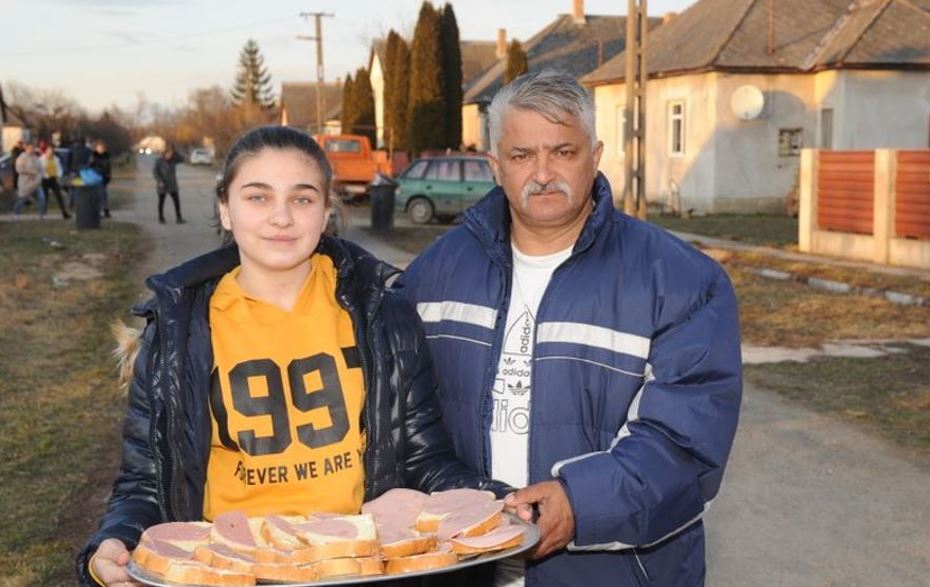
x=846, y=186
x=912, y=195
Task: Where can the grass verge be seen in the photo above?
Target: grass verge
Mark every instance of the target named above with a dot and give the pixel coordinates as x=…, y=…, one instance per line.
x=889, y=394
x=59, y=406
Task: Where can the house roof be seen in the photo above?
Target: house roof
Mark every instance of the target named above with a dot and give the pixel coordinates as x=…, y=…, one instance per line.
x=808, y=36
x=299, y=98
x=564, y=45
x=476, y=56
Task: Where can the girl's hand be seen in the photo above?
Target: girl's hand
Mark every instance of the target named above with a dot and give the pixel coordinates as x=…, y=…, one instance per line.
x=109, y=564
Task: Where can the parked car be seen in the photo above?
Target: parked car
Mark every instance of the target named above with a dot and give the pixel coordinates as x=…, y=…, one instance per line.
x=201, y=157
x=442, y=187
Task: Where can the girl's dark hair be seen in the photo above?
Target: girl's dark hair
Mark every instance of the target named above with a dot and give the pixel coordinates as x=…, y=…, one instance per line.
x=272, y=137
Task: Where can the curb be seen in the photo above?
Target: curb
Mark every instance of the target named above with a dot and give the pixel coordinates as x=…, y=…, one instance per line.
x=839, y=287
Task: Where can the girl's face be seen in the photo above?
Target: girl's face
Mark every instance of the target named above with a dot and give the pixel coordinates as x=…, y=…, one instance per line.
x=276, y=210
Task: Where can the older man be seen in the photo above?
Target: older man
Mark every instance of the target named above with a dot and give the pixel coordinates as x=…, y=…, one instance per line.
x=581, y=352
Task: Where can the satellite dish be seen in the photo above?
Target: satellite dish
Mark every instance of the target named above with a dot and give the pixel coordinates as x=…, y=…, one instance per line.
x=747, y=102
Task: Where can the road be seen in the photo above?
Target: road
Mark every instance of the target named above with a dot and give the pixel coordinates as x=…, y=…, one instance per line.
x=808, y=501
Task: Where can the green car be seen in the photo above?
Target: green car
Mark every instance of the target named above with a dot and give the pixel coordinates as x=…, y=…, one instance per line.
x=442, y=187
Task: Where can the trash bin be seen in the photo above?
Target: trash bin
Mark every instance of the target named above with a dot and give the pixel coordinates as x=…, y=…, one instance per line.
x=382, y=190
x=86, y=206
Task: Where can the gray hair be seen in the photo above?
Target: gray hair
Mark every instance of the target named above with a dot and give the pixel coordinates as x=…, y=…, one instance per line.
x=551, y=93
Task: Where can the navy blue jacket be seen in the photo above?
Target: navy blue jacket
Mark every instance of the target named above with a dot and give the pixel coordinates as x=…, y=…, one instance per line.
x=636, y=383
x=166, y=436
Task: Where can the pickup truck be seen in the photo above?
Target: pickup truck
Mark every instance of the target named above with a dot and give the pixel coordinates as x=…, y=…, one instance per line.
x=354, y=162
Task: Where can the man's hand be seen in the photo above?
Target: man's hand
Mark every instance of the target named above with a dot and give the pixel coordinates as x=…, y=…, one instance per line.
x=110, y=562
x=556, y=520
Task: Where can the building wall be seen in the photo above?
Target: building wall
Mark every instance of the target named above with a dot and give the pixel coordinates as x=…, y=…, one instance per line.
x=751, y=174
x=881, y=109
x=471, y=126
x=377, y=86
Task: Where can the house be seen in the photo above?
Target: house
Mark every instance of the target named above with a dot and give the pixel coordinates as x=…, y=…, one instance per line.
x=476, y=57
x=575, y=43
x=299, y=108
x=830, y=74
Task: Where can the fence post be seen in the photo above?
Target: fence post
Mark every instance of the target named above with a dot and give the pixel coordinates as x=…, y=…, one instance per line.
x=807, y=199
x=883, y=211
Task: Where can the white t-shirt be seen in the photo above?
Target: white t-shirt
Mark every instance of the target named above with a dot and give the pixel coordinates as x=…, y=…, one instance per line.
x=511, y=420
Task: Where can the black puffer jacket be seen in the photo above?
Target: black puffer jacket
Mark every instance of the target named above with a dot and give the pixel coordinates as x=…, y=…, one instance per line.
x=166, y=434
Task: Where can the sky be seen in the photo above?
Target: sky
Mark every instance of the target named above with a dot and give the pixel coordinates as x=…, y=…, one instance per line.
x=103, y=52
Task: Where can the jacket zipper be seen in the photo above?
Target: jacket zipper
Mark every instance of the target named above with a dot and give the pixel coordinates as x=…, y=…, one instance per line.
x=160, y=482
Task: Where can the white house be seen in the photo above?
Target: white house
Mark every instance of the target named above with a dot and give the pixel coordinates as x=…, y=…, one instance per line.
x=831, y=74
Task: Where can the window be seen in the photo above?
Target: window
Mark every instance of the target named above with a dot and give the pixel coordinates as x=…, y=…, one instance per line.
x=790, y=142
x=444, y=170
x=826, y=128
x=477, y=170
x=416, y=170
x=676, y=127
x=344, y=146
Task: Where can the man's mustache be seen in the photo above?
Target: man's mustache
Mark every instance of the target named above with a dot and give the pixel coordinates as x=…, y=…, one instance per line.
x=533, y=188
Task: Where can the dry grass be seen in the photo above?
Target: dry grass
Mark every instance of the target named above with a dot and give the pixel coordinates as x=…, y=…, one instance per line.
x=889, y=394
x=60, y=410
x=772, y=230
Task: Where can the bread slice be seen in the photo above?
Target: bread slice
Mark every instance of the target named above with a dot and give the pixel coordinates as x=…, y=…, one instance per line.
x=501, y=538
x=346, y=567
x=155, y=556
x=223, y=557
x=420, y=562
x=280, y=533
x=408, y=546
x=194, y=573
x=340, y=536
x=442, y=504
x=285, y=572
x=473, y=521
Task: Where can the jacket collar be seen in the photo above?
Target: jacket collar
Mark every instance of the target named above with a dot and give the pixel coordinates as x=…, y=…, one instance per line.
x=489, y=219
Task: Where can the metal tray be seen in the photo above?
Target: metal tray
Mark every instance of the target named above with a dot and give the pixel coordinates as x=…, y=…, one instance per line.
x=530, y=538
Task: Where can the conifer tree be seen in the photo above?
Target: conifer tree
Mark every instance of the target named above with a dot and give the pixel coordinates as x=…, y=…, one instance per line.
x=426, y=110
x=516, y=62
x=452, y=77
x=399, y=64
x=253, y=82
x=364, y=98
x=349, y=114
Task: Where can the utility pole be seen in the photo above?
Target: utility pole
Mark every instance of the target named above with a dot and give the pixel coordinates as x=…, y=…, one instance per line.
x=318, y=16
x=634, y=128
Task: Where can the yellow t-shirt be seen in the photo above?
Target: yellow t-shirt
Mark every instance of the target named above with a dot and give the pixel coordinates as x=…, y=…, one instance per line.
x=286, y=400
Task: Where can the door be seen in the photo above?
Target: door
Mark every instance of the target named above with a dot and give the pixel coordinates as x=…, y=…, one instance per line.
x=478, y=181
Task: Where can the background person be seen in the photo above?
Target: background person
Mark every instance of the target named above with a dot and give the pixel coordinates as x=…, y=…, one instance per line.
x=589, y=354
x=166, y=182
x=52, y=172
x=100, y=162
x=288, y=305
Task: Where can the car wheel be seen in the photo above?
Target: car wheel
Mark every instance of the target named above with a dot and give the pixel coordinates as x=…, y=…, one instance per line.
x=420, y=211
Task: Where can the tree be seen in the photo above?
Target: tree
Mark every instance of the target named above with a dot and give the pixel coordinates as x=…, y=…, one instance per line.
x=452, y=77
x=364, y=98
x=516, y=62
x=426, y=110
x=396, y=91
x=349, y=114
x=253, y=82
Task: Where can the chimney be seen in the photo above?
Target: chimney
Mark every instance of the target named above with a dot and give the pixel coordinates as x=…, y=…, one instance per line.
x=668, y=17
x=501, y=43
x=578, y=11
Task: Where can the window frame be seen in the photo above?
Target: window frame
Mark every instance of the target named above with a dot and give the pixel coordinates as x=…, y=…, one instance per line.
x=681, y=120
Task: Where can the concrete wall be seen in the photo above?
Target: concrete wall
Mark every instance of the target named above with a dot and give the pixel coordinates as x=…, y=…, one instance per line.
x=882, y=109
x=377, y=86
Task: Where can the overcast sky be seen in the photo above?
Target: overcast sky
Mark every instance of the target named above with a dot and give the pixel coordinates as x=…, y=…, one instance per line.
x=108, y=51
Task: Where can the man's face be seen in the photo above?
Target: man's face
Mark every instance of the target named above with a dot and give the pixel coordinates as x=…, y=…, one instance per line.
x=546, y=169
